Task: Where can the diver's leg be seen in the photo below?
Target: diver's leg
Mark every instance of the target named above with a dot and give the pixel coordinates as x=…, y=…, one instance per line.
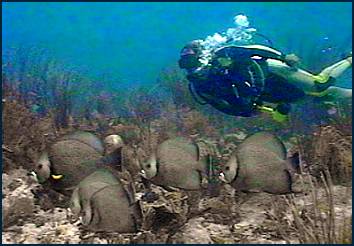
x=335, y=70
x=310, y=83
x=298, y=77
x=338, y=92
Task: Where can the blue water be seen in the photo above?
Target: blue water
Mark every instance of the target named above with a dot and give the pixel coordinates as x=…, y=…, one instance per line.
x=133, y=42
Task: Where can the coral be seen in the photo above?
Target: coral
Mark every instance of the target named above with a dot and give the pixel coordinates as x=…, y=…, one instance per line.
x=144, y=107
x=166, y=213
x=176, y=85
x=130, y=133
x=194, y=122
x=24, y=135
x=331, y=149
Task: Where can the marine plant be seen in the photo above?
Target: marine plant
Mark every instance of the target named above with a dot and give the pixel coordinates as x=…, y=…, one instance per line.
x=24, y=134
x=317, y=218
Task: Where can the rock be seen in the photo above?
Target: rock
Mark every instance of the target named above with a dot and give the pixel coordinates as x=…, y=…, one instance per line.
x=31, y=224
x=167, y=212
x=193, y=232
x=18, y=200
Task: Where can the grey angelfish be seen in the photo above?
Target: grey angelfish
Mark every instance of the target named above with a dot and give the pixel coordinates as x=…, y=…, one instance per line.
x=259, y=164
x=105, y=204
x=176, y=163
x=70, y=159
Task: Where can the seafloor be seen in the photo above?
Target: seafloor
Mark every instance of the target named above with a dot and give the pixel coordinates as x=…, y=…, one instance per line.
x=321, y=213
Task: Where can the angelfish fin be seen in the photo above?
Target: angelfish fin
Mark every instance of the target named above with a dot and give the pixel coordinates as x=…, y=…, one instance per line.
x=57, y=177
x=294, y=162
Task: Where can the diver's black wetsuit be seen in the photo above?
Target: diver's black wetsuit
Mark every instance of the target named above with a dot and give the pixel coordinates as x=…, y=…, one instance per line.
x=217, y=88
x=278, y=90
x=230, y=90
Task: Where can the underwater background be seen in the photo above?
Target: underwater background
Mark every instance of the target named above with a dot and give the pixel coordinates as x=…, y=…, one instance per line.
x=131, y=43
x=119, y=61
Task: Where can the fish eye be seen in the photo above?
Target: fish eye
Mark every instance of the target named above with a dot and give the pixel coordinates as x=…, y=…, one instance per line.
x=148, y=165
x=40, y=166
x=227, y=168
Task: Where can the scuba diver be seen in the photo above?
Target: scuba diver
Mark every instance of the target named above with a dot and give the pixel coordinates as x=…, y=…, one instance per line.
x=239, y=80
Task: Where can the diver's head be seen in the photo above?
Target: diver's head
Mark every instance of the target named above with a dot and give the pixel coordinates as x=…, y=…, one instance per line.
x=190, y=55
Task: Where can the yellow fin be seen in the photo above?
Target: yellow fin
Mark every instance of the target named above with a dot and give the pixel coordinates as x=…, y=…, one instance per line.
x=279, y=117
x=265, y=109
x=56, y=177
